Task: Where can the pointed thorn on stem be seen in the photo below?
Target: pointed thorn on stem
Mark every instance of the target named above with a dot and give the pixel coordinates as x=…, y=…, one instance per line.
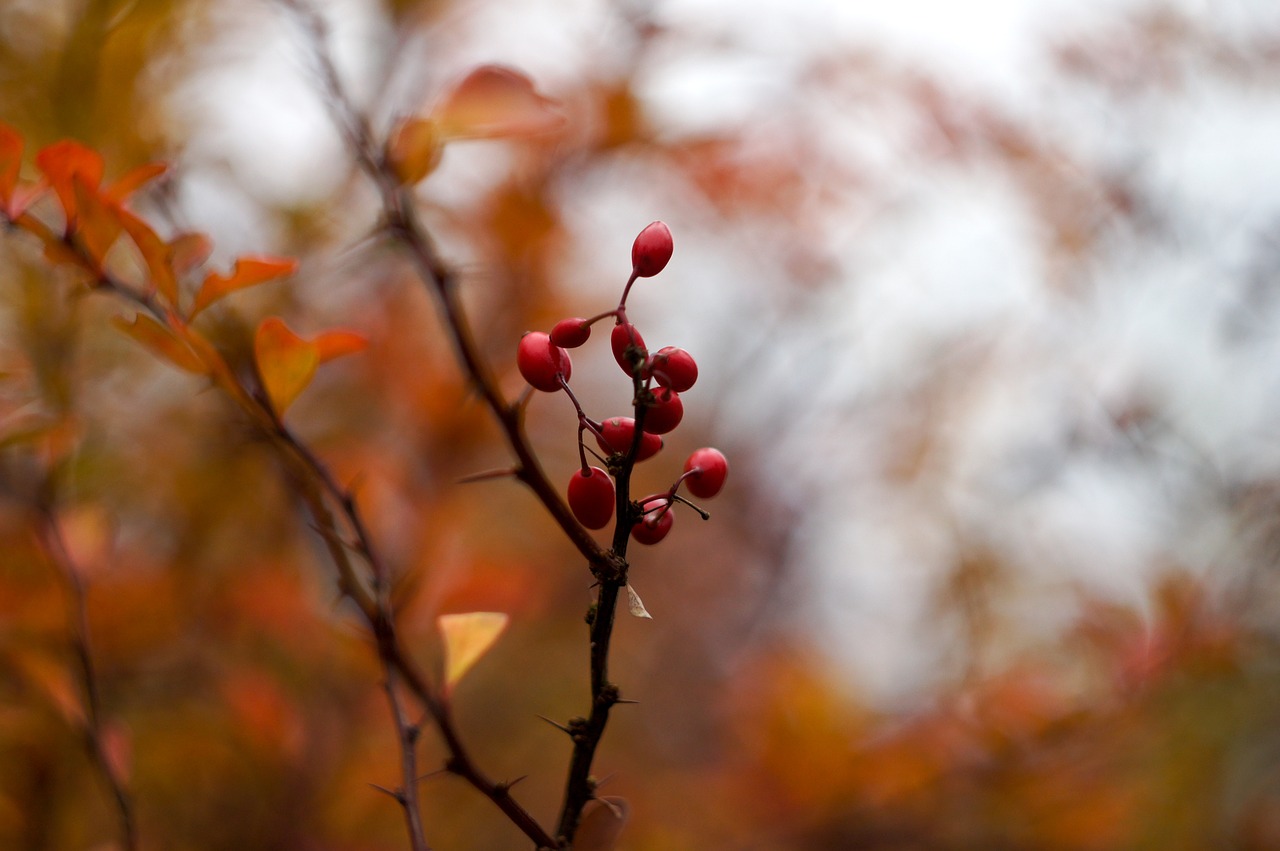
x=557, y=725
x=486, y=475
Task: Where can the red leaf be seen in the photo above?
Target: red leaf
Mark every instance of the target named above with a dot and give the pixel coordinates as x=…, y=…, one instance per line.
x=65, y=160
x=10, y=162
x=286, y=362
x=247, y=272
x=494, y=101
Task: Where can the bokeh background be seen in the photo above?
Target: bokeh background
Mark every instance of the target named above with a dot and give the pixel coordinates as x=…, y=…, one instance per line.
x=984, y=297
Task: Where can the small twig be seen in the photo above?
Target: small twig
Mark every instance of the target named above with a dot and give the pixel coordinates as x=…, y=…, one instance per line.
x=54, y=545
x=408, y=793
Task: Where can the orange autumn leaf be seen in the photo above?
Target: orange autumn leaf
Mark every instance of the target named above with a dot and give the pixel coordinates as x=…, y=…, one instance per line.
x=286, y=362
x=188, y=251
x=156, y=254
x=133, y=180
x=10, y=162
x=467, y=637
x=494, y=101
x=63, y=161
x=159, y=340
x=52, y=681
x=97, y=225
x=247, y=272
x=335, y=344
x=414, y=149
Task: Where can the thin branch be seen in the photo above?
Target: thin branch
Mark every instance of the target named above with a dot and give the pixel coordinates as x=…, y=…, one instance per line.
x=407, y=794
x=54, y=545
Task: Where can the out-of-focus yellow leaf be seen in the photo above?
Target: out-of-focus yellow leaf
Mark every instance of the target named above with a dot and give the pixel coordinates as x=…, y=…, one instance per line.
x=602, y=822
x=247, y=272
x=286, y=362
x=335, y=344
x=467, y=637
x=63, y=161
x=414, y=149
x=494, y=101
x=156, y=337
x=133, y=180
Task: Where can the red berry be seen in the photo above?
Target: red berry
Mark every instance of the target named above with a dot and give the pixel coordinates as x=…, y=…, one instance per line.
x=651, y=250
x=570, y=333
x=624, y=336
x=656, y=522
x=591, y=497
x=665, y=413
x=707, y=469
x=675, y=368
x=617, y=433
x=541, y=361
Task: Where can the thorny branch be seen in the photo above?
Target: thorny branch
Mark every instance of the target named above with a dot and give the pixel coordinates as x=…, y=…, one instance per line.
x=54, y=545
x=608, y=566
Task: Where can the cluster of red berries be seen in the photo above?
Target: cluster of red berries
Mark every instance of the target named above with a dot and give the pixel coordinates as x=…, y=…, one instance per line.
x=658, y=380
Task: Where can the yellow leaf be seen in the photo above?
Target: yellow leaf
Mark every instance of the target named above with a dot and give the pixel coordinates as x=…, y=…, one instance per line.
x=414, y=149
x=467, y=637
x=159, y=340
x=247, y=272
x=494, y=101
x=286, y=362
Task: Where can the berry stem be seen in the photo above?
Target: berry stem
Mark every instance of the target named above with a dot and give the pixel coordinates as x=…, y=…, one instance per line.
x=621, y=312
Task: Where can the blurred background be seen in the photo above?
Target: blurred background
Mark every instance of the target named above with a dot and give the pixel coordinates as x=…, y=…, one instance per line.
x=984, y=299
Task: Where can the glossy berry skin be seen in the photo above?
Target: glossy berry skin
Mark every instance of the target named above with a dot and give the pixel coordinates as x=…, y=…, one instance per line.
x=665, y=413
x=707, y=470
x=623, y=336
x=617, y=434
x=541, y=362
x=591, y=497
x=675, y=368
x=656, y=522
x=651, y=250
x=570, y=333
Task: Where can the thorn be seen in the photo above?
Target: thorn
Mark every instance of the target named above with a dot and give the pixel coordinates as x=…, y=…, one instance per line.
x=383, y=789
x=429, y=775
x=625, y=700
x=557, y=725
x=486, y=475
